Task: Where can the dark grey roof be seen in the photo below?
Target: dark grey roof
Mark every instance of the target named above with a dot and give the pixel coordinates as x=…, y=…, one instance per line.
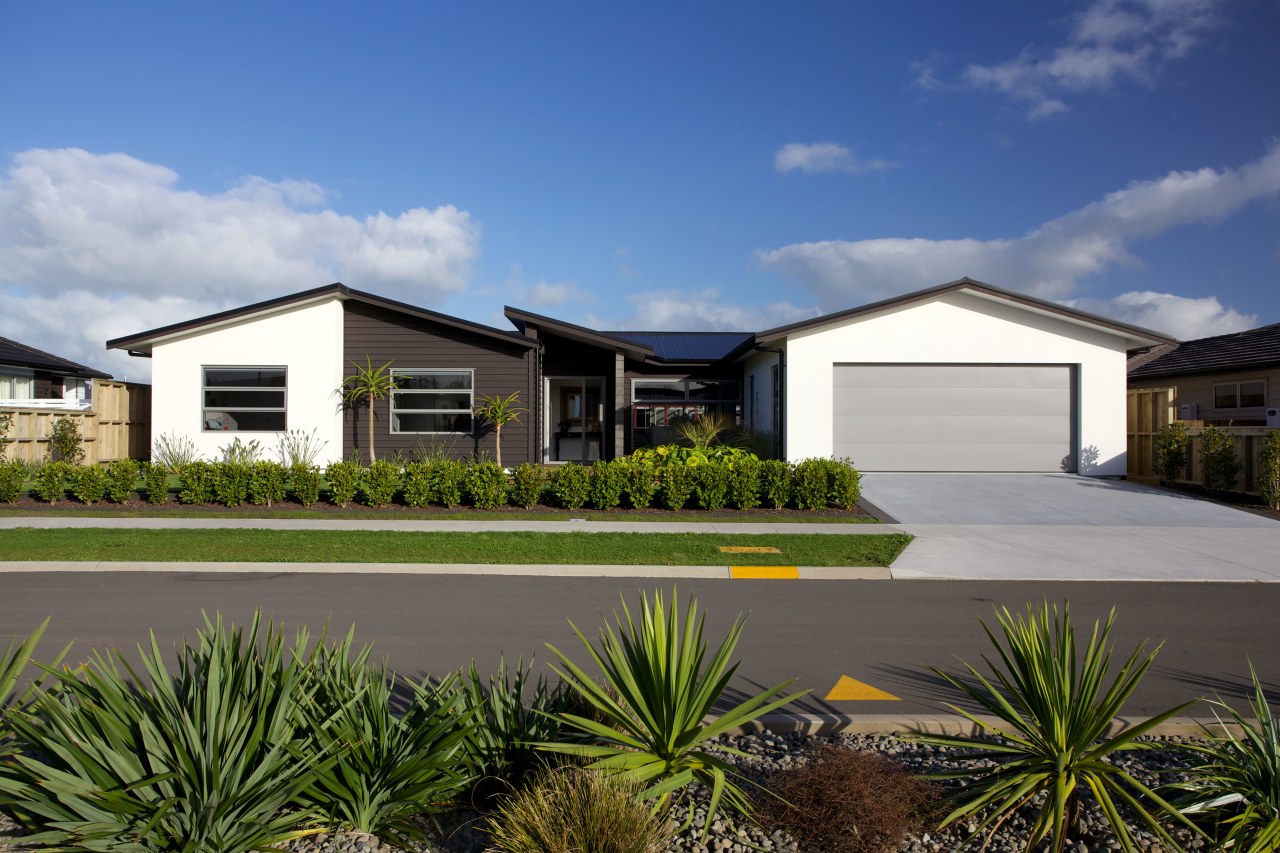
x=1237, y=351
x=21, y=355
x=688, y=346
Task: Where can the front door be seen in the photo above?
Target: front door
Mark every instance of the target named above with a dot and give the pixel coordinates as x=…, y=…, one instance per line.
x=575, y=415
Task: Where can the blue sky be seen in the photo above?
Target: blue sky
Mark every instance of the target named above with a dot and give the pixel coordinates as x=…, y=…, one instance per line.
x=670, y=165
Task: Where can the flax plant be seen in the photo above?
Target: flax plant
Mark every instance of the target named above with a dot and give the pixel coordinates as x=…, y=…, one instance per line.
x=1053, y=712
x=658, y=688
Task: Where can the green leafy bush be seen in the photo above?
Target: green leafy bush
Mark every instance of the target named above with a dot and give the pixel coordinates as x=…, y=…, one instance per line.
x=744, y=483
x=845, y=483
x=574, y=810
x=88, y=483
x=657, y=690
x=1218, y=461
x=417, y=485
x=268, y=483
x=447, y=479
x=677, y=485
x=527, y=483
x=344, y=482
x=606, y=485
x=122, y=478
x=1170, y=449
x=571, y=485
x=486, y=484
x=639, y=481
x=674, y=454
x=379, y=483
x=304, y=482
x=231, y=482
x=711, y=485
x=195, y=482
x=1053, y=712
x=6, y=424
x=1269, y=468
x=810, y=488
x=65, y=441
x=50, y=481
x=155, y=483
x=775, y=482
x=12, y=476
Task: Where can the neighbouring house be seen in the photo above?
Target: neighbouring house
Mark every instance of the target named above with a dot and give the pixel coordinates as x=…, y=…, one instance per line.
x=32, y=378
x=1223, y=380
x=960, y=377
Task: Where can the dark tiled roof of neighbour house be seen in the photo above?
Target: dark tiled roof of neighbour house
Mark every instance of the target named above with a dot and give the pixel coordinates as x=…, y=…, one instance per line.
x=1237, y=351
x=687, y=346
x=12, y=352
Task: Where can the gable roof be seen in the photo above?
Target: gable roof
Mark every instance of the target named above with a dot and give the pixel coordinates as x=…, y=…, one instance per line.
x=21, y=355
x=142, y=342
x=1136, y=336
x=1236, y=351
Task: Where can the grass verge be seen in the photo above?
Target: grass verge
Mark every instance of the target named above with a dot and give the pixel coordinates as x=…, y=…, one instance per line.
x=371, y=546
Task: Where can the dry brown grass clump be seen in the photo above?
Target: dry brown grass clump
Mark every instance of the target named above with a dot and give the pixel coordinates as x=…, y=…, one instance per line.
x=848, y=801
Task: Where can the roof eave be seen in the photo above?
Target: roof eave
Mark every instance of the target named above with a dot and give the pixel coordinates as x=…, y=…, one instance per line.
x=521, y=318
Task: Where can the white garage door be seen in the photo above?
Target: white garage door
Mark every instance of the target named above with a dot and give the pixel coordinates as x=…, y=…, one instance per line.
x=954, y=417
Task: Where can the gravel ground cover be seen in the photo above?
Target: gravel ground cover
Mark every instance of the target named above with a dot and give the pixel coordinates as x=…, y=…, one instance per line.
x=767, y=753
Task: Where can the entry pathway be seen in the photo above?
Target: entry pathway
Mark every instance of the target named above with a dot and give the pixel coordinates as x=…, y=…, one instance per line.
x=1065, y=527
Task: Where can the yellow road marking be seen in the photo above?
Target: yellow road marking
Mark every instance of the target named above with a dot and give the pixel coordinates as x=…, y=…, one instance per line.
x=851, y=690
x=768, y=572
x=748, y=549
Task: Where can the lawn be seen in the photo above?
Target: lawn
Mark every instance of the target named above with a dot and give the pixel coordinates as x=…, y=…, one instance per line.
x=369, y=546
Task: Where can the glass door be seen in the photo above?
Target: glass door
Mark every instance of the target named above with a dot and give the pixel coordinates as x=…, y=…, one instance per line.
x=575, y=417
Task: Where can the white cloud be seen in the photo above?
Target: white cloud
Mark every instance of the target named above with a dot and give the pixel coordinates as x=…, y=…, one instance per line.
x=123, y=231
x=1048, y=261
x=1185, y=318
x=1110, y=40
x=677, y=310
x=518, y=293
x=825, y=157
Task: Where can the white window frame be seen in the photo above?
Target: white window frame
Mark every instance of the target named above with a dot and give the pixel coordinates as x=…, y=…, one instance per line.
x=393, y=410
x=20, y=373
x=204, y=387
x=1236, y=384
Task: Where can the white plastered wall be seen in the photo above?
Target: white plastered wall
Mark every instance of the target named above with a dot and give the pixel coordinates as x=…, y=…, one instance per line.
x=960, y=328
x=306, y=339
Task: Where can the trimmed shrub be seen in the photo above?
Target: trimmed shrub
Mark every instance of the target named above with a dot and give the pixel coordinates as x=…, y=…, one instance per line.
x=155, y=483
x=195, y=483
x=775, y=482
x=1171, y=445
x=344, y=481
x=417, y=485
x=845, y=481
x=571, y=485
x=268, y=483
x=606, y=484
x=49, y=483
x=711, y=485
x=809, y=484
x=847, y=801
x=304, y=482
x=122, y=478
x=527, y=482
x=88, y=483
x=231, y=482
x=744, y=484
x=1269, y=469
x=640, y=482
x=486, y=484
x=65, y=441
x=447, y=479
x=1218, y=461
x=677, y=485
x=379, y=483
x=12, y=475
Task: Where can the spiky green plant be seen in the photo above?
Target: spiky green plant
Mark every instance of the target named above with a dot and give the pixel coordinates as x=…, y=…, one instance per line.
x=705, y=430
x=1053, y=713
x=13, y=664
x=500, y=411
x=1235, y=792
x=658, y=688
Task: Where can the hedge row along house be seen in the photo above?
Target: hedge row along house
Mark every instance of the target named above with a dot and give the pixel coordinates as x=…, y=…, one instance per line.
x=960, y=377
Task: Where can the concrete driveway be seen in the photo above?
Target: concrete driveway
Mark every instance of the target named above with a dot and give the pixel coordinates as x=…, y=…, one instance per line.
x=1066, y=527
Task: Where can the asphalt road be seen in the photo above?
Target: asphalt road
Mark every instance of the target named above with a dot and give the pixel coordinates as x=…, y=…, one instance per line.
x=880, y=633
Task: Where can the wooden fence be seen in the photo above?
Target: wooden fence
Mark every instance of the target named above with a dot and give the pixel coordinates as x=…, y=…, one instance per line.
x=117, y=427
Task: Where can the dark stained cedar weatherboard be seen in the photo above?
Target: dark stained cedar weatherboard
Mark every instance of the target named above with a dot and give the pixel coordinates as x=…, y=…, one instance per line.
x=410, y=342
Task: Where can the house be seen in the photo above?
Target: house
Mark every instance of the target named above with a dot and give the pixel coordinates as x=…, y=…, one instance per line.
x=964, y=376
x=1223, y=380
x=32, y=378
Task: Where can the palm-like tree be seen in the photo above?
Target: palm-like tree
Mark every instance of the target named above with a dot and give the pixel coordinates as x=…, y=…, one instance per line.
x=367, y=384
x=501, y=411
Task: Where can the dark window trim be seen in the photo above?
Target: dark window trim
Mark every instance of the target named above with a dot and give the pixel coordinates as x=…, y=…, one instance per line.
x=284, y=390
x=393, y=410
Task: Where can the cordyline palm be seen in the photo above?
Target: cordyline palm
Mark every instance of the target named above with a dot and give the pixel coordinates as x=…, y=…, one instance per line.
x=367, y=384
x=1052, y=716
x=501, y=411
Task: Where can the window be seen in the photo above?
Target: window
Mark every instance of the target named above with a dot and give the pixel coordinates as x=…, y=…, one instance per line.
x=658, y=403
x=432, y=400
x=15, y=385
x=1250, y=394
x=244, y=399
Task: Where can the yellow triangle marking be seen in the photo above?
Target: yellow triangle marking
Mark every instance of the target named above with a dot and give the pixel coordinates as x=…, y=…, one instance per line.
x=748, y=549
x=851, y=690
